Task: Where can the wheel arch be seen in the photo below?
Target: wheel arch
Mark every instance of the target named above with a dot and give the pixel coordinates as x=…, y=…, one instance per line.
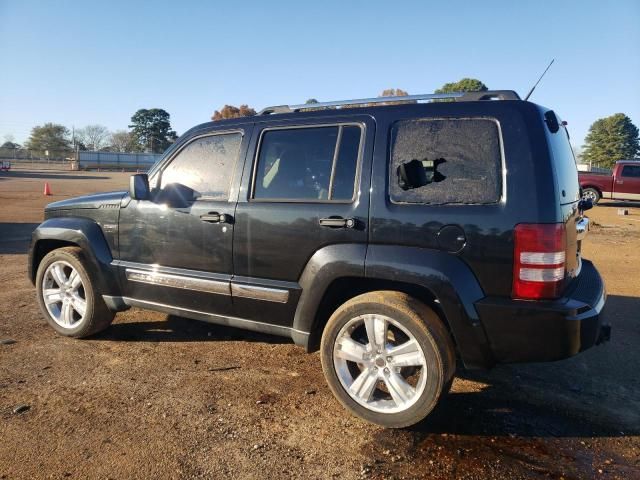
x=439, y=279
x=593, y=187
x=75, y=232
x=344, y=288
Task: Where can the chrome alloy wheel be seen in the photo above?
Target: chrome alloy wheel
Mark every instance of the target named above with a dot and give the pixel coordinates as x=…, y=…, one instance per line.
x=380, y=364
x=63, y=294
x=590, y=195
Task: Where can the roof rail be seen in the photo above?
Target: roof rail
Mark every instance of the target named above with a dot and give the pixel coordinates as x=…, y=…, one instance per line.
x=489, y=95
x=457, y=96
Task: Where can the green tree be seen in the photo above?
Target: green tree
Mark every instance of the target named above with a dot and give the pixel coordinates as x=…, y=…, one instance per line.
x=311, y=100
x=229, y=111
x=51, y=137
x=464, y=85
x=10, y=145
x=151, y=129
x=611, y=139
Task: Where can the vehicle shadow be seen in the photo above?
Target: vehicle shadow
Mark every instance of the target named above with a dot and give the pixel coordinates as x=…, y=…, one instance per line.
x=178, y=329
x=593, y=394
x=618, y=204
x=49, y=176
x=15, y=237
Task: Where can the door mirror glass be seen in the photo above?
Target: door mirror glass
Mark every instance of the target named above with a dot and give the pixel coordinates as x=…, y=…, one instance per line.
x=176, y=195
x=139, y=186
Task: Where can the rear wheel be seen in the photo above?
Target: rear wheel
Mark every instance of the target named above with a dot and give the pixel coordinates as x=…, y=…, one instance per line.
x=591, y=194
x=67, y=295
x=387, y=358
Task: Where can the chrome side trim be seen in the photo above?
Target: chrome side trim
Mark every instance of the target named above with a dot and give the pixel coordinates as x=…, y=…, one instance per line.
x=582, y=228
x=178, y=281
x=181, y=272
x=259, y=293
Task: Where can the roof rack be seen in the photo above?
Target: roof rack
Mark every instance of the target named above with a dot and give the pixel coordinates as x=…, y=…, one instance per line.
x=457, y=96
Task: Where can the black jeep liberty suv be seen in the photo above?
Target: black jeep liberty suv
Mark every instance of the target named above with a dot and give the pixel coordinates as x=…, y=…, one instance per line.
x=397, y=236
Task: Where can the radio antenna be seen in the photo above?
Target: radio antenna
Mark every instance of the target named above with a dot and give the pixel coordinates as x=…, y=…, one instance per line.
x=536, y=84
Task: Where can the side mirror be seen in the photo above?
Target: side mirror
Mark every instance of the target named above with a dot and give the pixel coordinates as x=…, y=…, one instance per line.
x=139, y=186
x=585, y=204
x=176, y=195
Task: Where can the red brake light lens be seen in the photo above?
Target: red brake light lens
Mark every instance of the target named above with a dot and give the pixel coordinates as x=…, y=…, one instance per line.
x=539, y=261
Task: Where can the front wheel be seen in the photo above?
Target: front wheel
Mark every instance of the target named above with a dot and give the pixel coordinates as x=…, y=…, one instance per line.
x=67, y=295
x=387, y=358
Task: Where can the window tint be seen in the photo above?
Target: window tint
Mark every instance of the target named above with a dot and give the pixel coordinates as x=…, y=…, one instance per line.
x=297, y=164
x=347, y=164
x=456, y=161
x=631, y=171
x=564, y=164
x=205, y=165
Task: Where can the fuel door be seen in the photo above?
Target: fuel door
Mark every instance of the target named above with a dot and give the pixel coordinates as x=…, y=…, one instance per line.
x=451, y=238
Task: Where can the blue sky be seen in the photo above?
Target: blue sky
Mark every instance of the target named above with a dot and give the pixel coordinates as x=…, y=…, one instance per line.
x=82, y=62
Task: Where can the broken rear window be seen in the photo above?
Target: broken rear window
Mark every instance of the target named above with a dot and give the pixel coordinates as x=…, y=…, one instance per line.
x=439, y=161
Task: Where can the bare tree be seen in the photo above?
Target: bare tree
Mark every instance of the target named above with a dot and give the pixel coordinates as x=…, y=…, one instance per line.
x=123, y=141
x=94, y=137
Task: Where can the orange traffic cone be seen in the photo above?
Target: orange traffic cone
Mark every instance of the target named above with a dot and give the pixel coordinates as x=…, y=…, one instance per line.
x=47, y=189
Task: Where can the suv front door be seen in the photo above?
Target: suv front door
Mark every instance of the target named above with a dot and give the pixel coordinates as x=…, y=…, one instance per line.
x=176, y=247
x=305, y=187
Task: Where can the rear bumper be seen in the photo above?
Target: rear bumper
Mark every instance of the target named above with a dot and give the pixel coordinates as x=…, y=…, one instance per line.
x=528, y=331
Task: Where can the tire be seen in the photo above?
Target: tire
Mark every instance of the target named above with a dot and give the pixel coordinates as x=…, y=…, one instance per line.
x=591, y=194
x=72, y=306
x=368, y=380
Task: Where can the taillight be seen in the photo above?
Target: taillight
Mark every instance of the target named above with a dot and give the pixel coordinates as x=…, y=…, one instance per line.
x=539, y=260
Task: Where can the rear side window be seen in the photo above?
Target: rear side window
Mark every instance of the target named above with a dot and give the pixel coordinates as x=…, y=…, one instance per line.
x=205, y=165
x=631, y=171
x=459, y=160
x=314, y=164
x=564, y=164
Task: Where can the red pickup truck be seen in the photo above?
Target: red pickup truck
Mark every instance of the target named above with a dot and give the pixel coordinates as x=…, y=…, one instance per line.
x=622, y=184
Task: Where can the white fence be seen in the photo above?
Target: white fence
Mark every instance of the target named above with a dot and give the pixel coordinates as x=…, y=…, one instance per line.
x=585, y=167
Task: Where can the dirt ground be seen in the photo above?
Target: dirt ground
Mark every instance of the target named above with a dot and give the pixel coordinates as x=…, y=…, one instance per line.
x=163, y=397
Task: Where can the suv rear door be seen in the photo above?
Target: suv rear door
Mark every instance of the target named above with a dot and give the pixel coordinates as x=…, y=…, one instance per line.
x=567, y=188
x=305, y=186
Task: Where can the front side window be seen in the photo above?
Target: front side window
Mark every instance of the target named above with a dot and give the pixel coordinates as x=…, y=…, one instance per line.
x=205, y=165
x=443, y=161
x=312, y=164
x=631, y=171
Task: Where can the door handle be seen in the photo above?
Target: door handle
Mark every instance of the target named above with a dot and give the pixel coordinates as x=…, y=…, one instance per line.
x=215, y=217
x=338, y=222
